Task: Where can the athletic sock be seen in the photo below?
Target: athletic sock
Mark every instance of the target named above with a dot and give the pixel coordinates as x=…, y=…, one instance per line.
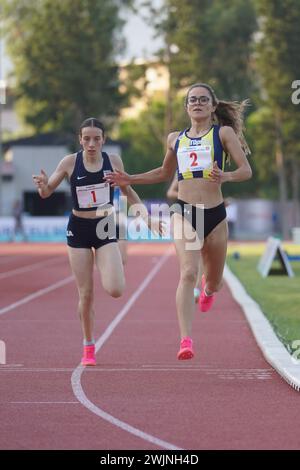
x=88, y=343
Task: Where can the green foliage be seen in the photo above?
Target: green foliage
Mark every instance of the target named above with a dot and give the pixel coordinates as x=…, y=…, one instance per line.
x=145, y=141
x=64, y=60
x=277, y=59
x=278, y=296
x=65, y=70
x=144, y=146
x=261, y=137
x=211, y=41
x=278, y=49
x=214, y=41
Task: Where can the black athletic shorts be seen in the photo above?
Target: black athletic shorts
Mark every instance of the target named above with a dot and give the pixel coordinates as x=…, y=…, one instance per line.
x=91, y=233
x=121, y=231
x=210, y=217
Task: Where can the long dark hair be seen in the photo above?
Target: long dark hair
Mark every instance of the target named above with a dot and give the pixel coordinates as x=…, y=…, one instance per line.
x=91, y=122
x=227, y=113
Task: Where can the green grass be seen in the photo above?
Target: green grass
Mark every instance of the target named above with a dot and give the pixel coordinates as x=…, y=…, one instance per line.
x=277, y=295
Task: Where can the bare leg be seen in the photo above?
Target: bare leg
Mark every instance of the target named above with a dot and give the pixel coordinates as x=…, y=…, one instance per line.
x=82, y=262
x=197, y=288
x=123, y=250
x=109, y=263
x=200, y=271
x=214, y=257
x=122, y=240
x=189, y=267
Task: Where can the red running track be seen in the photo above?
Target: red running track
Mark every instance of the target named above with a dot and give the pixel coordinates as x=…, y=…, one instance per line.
x=228, y=397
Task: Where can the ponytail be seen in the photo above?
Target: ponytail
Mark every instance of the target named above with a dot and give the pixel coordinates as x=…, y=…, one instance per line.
x=231, y=113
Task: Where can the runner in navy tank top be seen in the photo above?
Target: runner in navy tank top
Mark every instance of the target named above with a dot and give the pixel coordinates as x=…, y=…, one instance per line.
x=89, y=193
x=91, y=231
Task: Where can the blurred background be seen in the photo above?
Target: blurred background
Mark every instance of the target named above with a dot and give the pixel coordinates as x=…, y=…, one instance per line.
x=129, y=63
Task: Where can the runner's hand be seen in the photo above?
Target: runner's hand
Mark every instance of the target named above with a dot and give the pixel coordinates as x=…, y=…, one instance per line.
x=216, y=175
x=118, y=178
x=40, y=180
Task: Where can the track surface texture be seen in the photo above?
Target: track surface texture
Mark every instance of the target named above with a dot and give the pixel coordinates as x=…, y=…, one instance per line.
x=139, y=396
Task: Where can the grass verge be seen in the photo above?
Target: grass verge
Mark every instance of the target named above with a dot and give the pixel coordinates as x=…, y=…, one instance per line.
x=277, y=295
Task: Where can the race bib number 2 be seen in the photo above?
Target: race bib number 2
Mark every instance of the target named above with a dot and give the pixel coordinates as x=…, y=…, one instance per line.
x=94, y=195
x=194, y=158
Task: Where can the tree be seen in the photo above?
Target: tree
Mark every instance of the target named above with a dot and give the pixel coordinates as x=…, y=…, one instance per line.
x=212, y=40
x=145, y=144
x=205, y=40
x=278, y=65
x=262, y=138
x=64, y=60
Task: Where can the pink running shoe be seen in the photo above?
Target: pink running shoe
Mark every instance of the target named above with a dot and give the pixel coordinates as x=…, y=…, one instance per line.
x=88, y=358
x=186, y=349
x=206, y=301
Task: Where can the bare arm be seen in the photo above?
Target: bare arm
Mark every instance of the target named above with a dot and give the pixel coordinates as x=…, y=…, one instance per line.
x=172, y=192
x=157, y=175
x=127, y=190
x=164, y=172
x=233, y=146
x=46, y=186
x=133, y=198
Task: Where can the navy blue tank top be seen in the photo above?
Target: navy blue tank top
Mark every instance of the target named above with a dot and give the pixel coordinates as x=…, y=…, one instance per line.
x=89, y=190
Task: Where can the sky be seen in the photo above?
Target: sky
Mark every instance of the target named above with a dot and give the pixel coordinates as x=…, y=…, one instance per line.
x=138, y=34
x=141, y=42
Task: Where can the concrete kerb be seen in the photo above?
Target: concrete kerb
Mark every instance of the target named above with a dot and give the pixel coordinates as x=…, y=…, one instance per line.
x=272, y=348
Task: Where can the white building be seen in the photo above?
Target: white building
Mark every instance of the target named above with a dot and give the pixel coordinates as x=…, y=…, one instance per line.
x=24, y=157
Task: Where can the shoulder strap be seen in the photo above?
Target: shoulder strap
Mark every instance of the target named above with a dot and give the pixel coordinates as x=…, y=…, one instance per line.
x=178, y=140
x=106, y=162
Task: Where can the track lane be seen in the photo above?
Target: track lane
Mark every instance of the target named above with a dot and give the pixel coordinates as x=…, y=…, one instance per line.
x=227, y=398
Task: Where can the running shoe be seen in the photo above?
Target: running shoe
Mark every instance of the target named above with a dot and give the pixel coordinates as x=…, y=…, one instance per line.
x=88, y=358
x=206, y=301
x=196, y=294
x=186, y=349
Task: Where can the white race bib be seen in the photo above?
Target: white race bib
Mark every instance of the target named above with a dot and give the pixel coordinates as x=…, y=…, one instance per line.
x=94, y=195
x=194, y=158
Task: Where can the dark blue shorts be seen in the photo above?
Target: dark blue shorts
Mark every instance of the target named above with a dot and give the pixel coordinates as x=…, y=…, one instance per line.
x=90, y=233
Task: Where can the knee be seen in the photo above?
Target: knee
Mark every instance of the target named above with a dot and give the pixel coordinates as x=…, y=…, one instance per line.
x=189, y=275
x=115, y=293
x=116, y=290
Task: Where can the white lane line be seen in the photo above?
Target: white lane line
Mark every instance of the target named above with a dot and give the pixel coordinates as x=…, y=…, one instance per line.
x=30, y=267
x=210, y=367
x=149, y=369
x=41, y=402
x=76, y=376
x=36, y=294
x=5, y=366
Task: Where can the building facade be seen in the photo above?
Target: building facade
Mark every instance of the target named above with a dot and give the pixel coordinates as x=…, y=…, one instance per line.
x=24, y=157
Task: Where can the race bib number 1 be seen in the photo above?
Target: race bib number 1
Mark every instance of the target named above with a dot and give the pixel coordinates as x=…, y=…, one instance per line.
x=94, y=195
x=194, y=158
